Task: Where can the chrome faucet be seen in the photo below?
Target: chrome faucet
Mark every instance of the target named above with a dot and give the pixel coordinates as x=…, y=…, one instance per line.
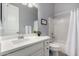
x=20, y=35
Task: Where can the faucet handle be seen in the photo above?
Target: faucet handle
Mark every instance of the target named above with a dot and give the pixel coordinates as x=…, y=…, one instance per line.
x=18, y=32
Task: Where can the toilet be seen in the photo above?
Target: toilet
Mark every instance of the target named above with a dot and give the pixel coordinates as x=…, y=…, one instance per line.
x=55, y=47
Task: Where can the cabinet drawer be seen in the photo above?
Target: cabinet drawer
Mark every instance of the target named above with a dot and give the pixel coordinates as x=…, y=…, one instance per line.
x=38, y=53
x=28, y=50
x=46, y=51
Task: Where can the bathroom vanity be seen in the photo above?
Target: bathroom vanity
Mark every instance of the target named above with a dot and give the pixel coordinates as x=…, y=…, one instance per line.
x=25, y=24
x=29, y=46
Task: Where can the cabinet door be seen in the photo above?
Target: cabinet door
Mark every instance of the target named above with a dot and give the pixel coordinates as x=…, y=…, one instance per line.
x=27, y=51
x=47, y=51
x=46, y=48
x=38, y=53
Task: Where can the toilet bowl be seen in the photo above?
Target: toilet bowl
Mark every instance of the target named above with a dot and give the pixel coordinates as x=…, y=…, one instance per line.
x=55, y=47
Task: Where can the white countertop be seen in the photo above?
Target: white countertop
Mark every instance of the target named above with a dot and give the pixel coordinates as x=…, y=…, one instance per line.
x=7, y=45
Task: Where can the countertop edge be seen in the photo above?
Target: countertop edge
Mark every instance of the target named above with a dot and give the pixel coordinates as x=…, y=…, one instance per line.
x=19, y=48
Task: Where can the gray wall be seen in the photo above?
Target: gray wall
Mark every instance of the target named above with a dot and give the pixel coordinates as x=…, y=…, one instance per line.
x=26, y=16
x=61, y=7
x=45, y=10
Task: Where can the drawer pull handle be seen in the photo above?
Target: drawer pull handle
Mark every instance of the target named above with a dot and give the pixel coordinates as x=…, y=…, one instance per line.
x=47, y=48
x=47, y=42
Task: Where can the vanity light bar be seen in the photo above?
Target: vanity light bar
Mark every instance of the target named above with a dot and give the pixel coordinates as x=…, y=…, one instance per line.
x=30, y=4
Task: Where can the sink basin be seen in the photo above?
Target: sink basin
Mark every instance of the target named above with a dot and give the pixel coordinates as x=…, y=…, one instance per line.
x=19, y=41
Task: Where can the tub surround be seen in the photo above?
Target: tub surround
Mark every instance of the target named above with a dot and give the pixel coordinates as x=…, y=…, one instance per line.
x=15, y=44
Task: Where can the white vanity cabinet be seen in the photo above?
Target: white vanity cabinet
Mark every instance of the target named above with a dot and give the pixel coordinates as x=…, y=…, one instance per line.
x=36, y=49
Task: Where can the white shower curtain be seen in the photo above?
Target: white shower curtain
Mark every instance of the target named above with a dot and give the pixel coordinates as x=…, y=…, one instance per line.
x=72, y=44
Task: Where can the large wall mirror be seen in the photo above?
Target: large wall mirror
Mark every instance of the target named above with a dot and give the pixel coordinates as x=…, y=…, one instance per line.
x=19, y=18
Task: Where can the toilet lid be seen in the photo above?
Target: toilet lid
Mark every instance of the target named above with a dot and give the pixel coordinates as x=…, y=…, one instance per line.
x=54, y=45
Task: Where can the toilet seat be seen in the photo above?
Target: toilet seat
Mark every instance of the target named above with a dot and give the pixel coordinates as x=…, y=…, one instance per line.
x=56, y=46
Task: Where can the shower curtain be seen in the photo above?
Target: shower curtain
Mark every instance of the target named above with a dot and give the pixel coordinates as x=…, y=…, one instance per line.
x=72, y=44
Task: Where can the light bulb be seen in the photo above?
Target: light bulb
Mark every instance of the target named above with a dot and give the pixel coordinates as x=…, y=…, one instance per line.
x=30, y=5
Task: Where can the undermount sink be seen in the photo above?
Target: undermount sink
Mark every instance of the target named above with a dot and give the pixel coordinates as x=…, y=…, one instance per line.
x=23, y=39
x=19, y=41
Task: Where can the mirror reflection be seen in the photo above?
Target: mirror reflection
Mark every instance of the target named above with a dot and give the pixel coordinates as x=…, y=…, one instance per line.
x=19, y=18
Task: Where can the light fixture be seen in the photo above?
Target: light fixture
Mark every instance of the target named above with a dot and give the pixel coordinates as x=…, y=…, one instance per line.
x=35, y=5
x=30, y=5
x=24, y=3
